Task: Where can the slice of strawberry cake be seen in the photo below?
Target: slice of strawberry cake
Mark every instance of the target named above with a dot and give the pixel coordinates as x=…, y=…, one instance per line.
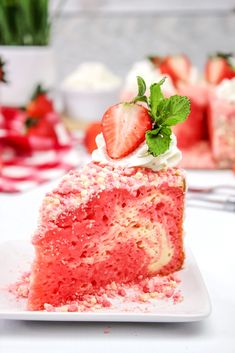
x=120, y=218
x=221, y=117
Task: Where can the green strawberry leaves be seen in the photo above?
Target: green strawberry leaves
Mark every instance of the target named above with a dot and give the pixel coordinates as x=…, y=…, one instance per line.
x=165, y=112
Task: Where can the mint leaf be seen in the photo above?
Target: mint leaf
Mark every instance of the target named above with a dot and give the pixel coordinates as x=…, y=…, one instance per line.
x=173, y=110
x=141, y=86
x=158, y=140
x=155, y=98
x=140, y=99
x=141, y=91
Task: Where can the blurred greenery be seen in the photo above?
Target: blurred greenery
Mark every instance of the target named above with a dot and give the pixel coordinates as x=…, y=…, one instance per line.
x=24, y=22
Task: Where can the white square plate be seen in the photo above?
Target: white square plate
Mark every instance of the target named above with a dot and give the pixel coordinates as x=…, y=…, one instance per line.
x=16, y=257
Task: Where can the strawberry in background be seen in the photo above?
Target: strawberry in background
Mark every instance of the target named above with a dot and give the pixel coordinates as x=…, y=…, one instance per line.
x=39, y=123
x=219, y=67
x=90, y=135
x=178, y=67
x=40, y=104
x=37, y=128
x=186, y=80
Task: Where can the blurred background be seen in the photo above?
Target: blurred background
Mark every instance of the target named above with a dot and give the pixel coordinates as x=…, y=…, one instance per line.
x=121, y=32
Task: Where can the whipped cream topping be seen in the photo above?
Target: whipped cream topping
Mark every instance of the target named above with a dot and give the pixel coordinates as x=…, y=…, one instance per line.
x=150, y=74
x=140, y=157
x=92, y=76
x=226, y=90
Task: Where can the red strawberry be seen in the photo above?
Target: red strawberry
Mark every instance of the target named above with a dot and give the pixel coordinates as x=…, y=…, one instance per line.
x=92, y=131
x=218, y=68
x=40, y=128
x=156, y=60
x=177, y=67
x=40, y=106
x=124, y=126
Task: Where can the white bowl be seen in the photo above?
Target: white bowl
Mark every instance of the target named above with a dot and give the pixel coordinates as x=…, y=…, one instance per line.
x=26, y=67
x=89, y=105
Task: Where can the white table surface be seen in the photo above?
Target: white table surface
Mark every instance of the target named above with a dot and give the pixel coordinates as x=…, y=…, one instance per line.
x=211, y=236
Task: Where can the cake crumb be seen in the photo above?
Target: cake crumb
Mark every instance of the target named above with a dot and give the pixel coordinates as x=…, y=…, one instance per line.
x=144, y=293
x=107, y=330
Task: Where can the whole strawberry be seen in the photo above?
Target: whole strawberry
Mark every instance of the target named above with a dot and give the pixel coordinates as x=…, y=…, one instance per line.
x=40, y=104
x=40, y=127
x=176, y=66
x=219, y=67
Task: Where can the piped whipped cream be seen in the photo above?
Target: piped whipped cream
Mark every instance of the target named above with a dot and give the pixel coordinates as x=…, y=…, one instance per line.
x=140, y=157
x=226, y=90
x=150, y=74
x=92, y=76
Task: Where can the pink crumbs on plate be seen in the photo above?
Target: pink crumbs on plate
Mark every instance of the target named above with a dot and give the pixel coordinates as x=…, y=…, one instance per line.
x=150, y=290
x=21, y=288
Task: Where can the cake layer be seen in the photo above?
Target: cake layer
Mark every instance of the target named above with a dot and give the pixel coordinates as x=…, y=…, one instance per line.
x=106, y=224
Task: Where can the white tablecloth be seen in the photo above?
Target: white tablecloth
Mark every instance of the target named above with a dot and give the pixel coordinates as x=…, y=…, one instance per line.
x=211, y=236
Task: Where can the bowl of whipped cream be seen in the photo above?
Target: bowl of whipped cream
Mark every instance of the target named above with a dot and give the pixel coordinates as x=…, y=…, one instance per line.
x=89, y=90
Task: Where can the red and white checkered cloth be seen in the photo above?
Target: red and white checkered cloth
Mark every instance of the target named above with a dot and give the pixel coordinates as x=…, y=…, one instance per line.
x=25, y=173
x=45, y=161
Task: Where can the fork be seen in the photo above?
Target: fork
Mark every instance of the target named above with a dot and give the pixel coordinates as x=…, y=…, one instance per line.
x=227, y=204
x=210, y=189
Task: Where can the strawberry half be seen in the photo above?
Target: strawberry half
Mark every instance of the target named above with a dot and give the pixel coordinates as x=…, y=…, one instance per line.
x=124, y=126
x=219, y=68
x=177, y=67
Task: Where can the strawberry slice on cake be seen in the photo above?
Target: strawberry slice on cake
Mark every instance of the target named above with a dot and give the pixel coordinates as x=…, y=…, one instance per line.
x=119, y=219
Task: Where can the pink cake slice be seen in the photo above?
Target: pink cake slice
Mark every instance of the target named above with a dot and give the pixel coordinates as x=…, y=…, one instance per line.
x=106, y=224
x=222, y=131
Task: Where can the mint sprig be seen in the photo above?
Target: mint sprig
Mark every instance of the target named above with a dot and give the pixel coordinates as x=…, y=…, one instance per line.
x=164, y=112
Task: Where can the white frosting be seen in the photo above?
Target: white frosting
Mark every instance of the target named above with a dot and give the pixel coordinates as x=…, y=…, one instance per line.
x=140, y=157
x=92, y=76
x=150, y=74
x=226, y=90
